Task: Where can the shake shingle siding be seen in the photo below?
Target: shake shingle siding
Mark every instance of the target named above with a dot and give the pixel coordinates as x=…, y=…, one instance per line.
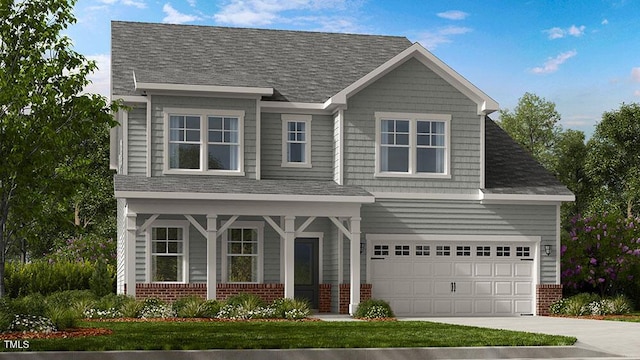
x=412, y=88
x=464, y=218
x=321, y=149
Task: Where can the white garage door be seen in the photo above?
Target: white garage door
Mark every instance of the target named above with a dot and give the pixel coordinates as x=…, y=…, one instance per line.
x=454, y=278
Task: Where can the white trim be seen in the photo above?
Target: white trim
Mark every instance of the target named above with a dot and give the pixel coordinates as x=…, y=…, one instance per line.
x=184, y=224
x=149, y=158
x=499, y=198
x=485, y=104
x=274, y=226
x=130, y=99
x=451, y=238
x=259, y=226
x=425, y=196
x=125, y=142
x=254, y=197
x=227, y=224
x=305, y=225
x=240, y=90
x=413, y=119
x=482, y=151
x=558, y=244
x=204, y=114
x=306, y=119
x=196, y=225
x=293, y=107
x=338, y=166
x=147, y=223
x=320, y=237
x=341, y=227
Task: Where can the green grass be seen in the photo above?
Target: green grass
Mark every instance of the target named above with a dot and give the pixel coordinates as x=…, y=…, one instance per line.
x=288, y=335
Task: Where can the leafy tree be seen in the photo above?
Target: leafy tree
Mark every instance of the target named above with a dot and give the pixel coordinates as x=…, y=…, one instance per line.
x=613, y=161
x=43, y=115
x=534, y=125
x=601, y=253
x=570, y=154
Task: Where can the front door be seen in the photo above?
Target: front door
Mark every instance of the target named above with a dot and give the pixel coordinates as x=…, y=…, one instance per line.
x=306, y=270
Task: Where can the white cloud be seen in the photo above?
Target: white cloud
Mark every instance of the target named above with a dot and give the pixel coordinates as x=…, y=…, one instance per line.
x=176, y=17
x=453, y=15
x=140, y=4
x=552, y=64
x=100, y=79
x=265, y=12
x=605, y=22
x=635, y=74
x=558, y=33
x=431, y=40
x=192, y=3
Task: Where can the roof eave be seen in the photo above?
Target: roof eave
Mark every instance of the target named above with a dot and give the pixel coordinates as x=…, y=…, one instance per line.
x=145, y=87
x=160, y=195
x=545, y=198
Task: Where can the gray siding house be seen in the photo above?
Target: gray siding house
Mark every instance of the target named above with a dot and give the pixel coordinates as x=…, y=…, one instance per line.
x=334, y=167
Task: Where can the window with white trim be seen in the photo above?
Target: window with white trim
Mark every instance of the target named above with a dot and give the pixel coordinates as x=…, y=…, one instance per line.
x=523, y=251
x=423, y=250
x=503, y=251
x=402, y=250
x=242, y=253
x=443, y=250
x=296, y=140
x=203, y=141
x=168, y=256
x=412, y=144
x=463, y=250
x=483, y=251
x=381, y=250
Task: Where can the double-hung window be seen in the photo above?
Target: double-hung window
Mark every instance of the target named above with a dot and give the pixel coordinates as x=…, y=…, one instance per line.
x=167, y=260
x=412, y=144
x=296, y=140
x=242, y=253
x=204, y=141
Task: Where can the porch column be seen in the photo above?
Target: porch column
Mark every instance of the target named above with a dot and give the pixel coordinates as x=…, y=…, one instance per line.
x=212, y=236
x=130, y=253
x=355, y=265
x=289, y=258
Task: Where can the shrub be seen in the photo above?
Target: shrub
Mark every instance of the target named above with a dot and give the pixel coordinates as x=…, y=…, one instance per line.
x=70, y=298
x=33, y=304
x=155, y=308
x=46, y=278
x=292, y=309
x=132, y=308
x=190, y=307
x=112, y=301
x=32, y=323
x=620, y=305
x=247, y=301
x=101, y=282
x=63, y=318
x=374, y=309
x=6, y=314
x=591, y=304
x=558, y=307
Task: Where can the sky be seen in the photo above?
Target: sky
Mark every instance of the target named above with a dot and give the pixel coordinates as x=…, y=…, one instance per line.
x=581, y=55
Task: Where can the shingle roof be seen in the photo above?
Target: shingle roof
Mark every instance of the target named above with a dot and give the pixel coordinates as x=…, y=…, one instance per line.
x=300, y=66
x=233, y=185
x=512, y=170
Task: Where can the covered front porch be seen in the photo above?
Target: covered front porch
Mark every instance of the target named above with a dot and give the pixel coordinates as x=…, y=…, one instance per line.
x=269, y=237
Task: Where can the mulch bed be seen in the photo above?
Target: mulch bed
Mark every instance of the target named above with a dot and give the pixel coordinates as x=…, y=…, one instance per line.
x=69, y=333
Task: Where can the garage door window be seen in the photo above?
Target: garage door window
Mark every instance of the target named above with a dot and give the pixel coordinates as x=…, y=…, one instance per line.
x=423, y=250
x=523, y=251
x=443, y=250
x=402, y=250
x=381, y=250
x=483, y=250
x=463, y=250
x=503, y=251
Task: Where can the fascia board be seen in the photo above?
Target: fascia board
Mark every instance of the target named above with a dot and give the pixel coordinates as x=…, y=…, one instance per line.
x=129, y=99
x=487, y=198
x=485, y=103
x=163, y=87
x=243, y=197
x=293, y=107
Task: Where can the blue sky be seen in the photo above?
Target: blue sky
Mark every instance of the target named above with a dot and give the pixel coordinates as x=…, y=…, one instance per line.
x=582, y=55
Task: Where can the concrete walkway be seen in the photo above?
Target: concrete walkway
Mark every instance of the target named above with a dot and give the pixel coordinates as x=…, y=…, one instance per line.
x=613, y=337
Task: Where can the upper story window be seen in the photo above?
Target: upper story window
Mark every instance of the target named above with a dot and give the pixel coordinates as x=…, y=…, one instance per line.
x=203, y=141
x=296, y=140
x=412, y=144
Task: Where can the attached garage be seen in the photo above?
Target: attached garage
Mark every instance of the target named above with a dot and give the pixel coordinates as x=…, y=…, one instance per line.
x=454, y=276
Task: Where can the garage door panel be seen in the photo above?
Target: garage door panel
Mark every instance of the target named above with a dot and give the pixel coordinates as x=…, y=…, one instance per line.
x=419, y=281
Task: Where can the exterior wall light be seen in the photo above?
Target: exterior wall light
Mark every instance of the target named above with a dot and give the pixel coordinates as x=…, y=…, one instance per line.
x=547, y=250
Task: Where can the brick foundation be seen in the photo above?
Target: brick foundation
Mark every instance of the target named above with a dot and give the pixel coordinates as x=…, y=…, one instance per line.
x=547, y=294
x=268, y=292
x=324, y=298
x=170, y=292
x=345, y=296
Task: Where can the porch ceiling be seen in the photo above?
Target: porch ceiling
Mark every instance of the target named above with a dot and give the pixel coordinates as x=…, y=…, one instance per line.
x=235, y=188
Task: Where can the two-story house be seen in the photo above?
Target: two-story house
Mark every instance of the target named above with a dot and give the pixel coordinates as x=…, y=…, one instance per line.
x=334, y=167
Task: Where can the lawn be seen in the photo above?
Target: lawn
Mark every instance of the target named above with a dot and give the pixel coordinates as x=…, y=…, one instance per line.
x=288, y=335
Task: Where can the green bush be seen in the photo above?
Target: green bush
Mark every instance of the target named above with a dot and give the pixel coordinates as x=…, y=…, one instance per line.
x=33, y=304
x=46, y=278
x=112, y=301
x=246, y=301
x=132, y=308
x=196, y=307
x=156, y=308
x=292, y=309
x=6, y=313
x=374, y=309
x=101, y=281
x=591, y=304
x=63, y=318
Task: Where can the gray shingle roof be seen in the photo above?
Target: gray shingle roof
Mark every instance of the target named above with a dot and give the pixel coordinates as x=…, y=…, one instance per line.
x=301, y=66
x=232, y=185
x=512, y=170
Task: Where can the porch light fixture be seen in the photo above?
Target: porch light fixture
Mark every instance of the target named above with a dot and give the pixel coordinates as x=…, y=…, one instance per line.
x=363, y=247
x=547, y=250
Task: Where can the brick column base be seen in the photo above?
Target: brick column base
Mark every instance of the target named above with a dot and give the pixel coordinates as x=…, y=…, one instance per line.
x=170, y=292
x=345, y=296
x=267, y=292
x=324, y=298
x=547, y=294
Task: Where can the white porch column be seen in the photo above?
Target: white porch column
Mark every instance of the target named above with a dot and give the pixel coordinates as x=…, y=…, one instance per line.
x=355, y=265
x=130, y=253
x=289, y=258
x=212, y=237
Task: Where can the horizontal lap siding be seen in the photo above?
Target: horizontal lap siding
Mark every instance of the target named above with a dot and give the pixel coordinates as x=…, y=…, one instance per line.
x=137, y=141
x=321, y=149
x=465, y=218
x=412, y=88
x=157, y=125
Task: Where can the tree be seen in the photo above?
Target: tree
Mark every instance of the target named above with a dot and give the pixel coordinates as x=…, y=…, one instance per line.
x=43, y=114
x=534, y=125
x=613, y=161
x=570, y=153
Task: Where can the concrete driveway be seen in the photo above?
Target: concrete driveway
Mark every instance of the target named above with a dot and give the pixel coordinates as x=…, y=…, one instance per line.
x=613, y=337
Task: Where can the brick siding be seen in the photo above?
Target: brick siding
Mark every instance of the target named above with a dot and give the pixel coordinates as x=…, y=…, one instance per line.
x=324, y=298
x=267, y=292
x=170, y=292
x=345, y=296
x=547, y=294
